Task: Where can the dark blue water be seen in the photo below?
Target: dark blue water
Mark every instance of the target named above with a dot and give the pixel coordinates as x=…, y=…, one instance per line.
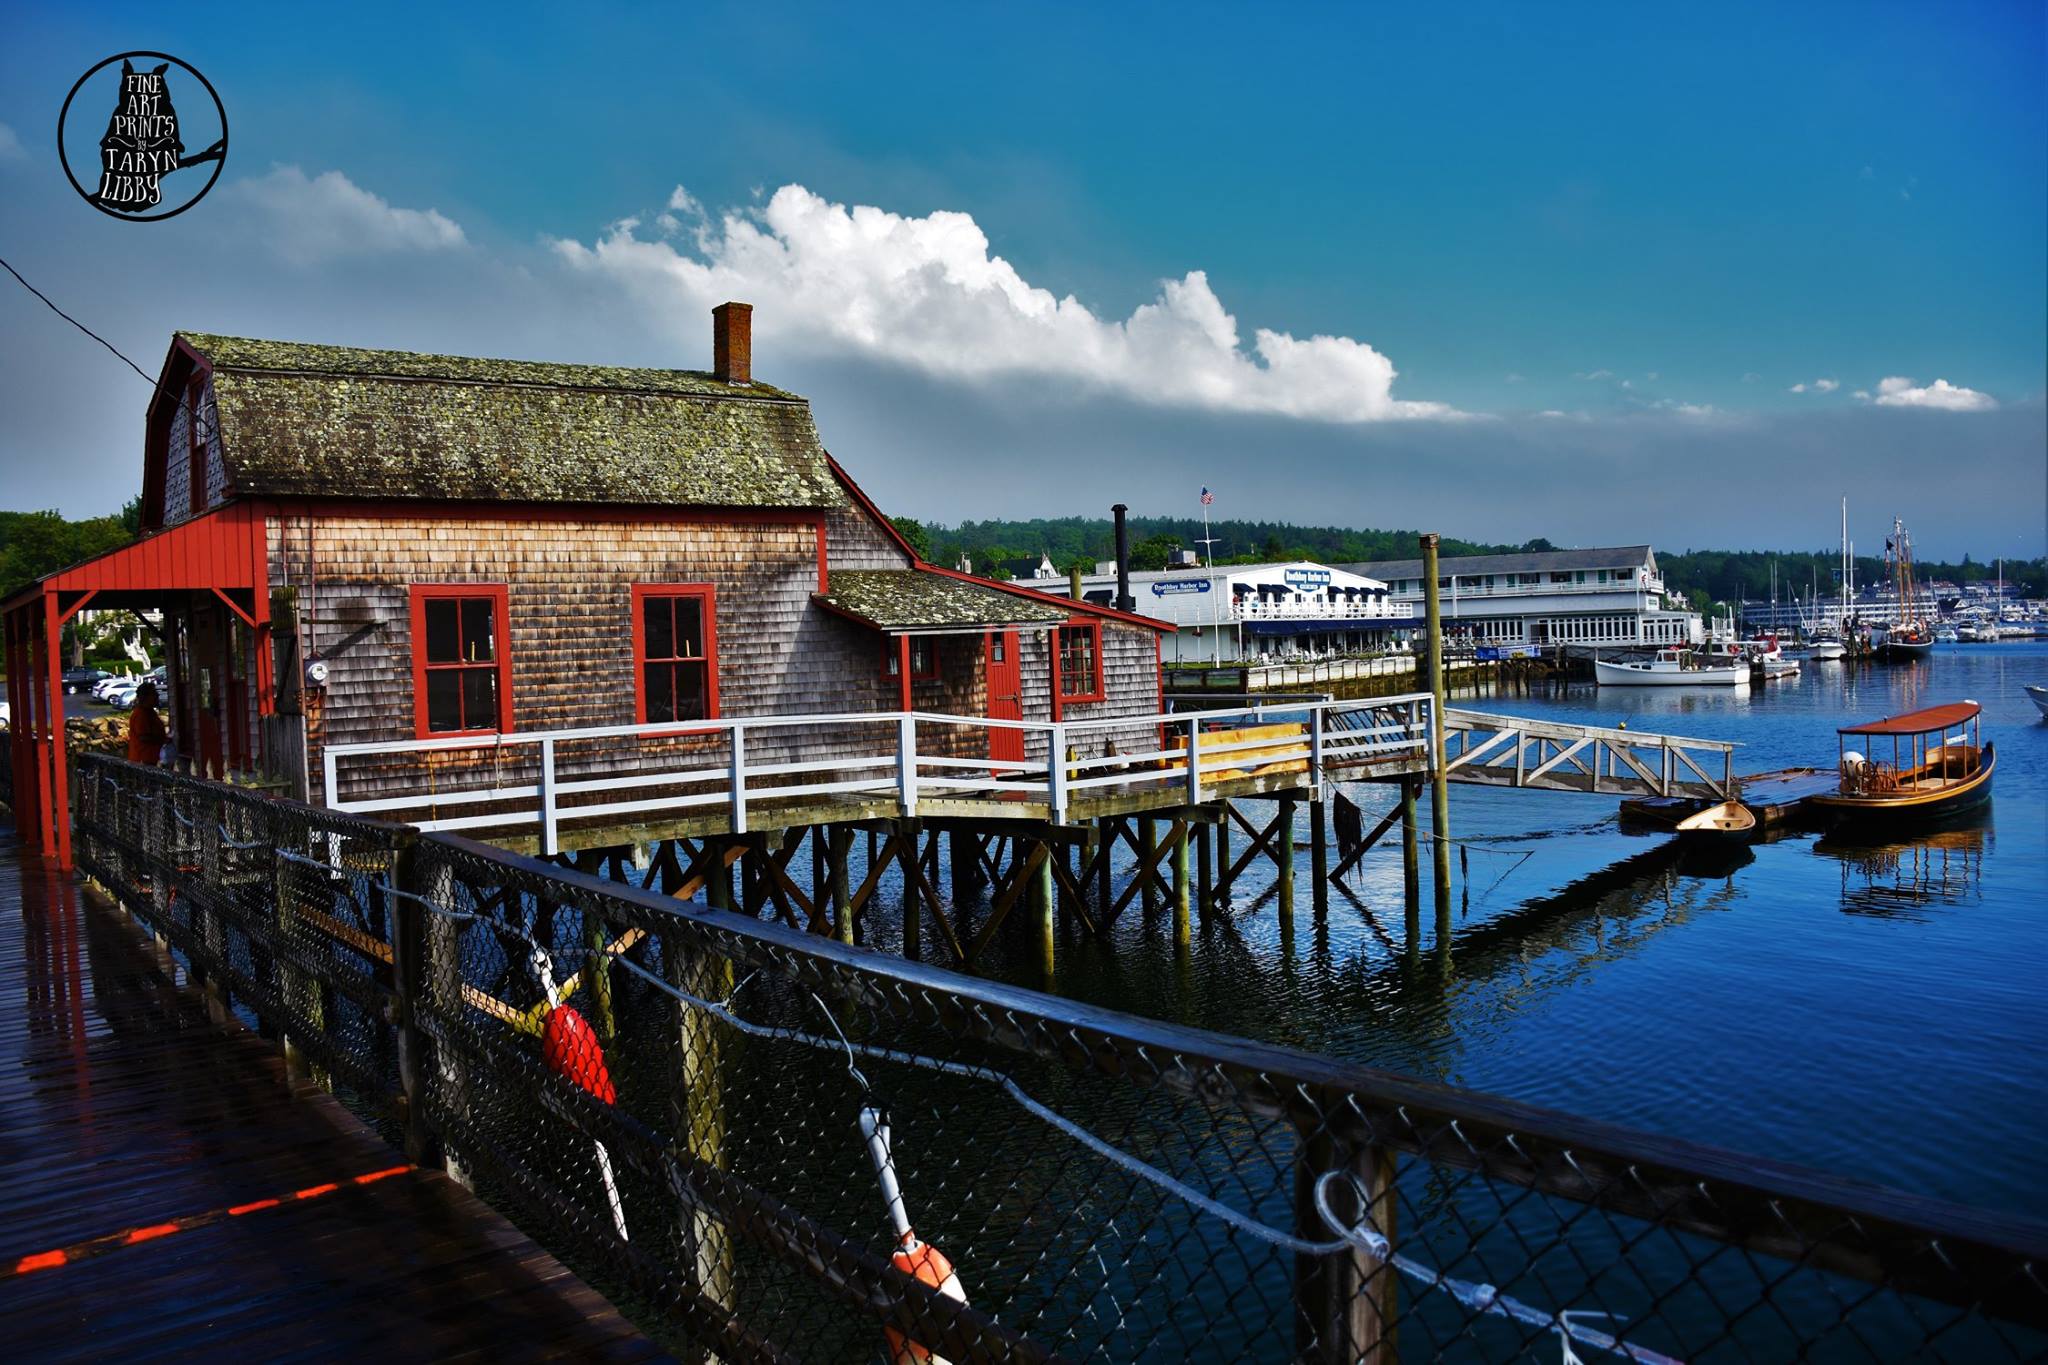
x=1876, y=1010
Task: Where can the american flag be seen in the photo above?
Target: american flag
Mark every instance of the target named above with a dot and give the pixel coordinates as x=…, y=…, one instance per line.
x=1207, y=497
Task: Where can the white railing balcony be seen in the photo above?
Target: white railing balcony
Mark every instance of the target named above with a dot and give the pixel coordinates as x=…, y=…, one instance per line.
x=1646, y=587
x=725, y=769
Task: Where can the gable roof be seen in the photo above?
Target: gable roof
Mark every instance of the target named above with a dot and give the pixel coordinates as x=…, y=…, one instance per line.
x=918, y=599
x=1523, y=561
x=299, y=420
x=866, y=505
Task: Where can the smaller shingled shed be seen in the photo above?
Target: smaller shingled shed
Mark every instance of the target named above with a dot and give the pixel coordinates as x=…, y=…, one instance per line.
x=913, y=600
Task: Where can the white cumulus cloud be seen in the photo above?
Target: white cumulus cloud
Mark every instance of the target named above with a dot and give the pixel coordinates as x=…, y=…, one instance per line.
x=1817, y=386
x=928, y=294
x=329, y=216
x=1900, y=392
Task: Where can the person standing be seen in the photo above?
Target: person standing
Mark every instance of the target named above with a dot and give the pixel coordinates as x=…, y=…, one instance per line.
x=146, y=732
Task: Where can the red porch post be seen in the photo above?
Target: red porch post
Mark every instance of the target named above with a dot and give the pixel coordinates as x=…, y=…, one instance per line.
x=21, y=738
x=60, y=774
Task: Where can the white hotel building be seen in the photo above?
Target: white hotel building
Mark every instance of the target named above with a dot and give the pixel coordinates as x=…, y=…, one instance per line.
x=1611, y=598
x=1244, y=611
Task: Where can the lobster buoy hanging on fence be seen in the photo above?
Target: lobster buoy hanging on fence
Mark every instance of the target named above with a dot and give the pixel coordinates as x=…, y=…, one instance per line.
x=921, y=1261
x=569, y=1048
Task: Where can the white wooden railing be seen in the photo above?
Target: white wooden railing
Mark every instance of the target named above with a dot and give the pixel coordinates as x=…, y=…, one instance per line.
x=894, y=758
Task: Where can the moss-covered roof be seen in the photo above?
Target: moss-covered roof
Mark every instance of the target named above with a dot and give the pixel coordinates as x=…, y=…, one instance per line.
x=304, y=420
x=917, y=599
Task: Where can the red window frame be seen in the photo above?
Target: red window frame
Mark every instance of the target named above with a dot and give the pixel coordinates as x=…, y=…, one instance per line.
x=501, y=648
x=707, y=596
x=1095, y=691
x=928, y=671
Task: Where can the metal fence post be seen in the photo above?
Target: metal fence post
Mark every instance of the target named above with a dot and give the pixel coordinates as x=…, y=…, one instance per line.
x=1195, y=759
x=1056, y=772
x=444, y=1085
x=409, y=977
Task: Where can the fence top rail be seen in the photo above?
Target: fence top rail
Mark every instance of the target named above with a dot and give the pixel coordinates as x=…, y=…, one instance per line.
x=1485, y=1124
x=1455, y=719
x=727, y=724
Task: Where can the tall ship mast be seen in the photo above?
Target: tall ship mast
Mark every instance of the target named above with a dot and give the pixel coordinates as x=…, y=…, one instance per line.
x=1910, y=636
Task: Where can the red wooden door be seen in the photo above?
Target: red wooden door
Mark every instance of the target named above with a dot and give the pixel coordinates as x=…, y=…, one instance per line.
x=1005, y=696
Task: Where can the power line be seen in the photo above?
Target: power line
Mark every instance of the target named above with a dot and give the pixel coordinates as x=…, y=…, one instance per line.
x=79, y=325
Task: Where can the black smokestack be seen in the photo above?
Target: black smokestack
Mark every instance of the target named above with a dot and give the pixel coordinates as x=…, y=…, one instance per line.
x=1124, y=600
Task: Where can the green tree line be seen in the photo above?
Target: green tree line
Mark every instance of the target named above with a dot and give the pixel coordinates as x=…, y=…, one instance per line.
x=1703, y=576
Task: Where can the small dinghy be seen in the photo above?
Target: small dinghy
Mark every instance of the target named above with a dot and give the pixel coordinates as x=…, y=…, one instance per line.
x=1731, y=822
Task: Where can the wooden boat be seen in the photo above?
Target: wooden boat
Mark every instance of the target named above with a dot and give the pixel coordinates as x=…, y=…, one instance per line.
x=1731, y=822
x=2040, y=696
x=1935, y=767
x=1671, y=668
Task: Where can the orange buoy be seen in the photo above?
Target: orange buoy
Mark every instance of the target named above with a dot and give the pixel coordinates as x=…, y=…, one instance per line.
x=920, y=1260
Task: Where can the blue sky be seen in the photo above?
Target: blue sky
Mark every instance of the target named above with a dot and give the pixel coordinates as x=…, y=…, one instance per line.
x=1529, y=271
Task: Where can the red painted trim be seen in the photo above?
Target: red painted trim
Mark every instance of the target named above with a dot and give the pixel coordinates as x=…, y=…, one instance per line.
x=225, y=548
x=60, y=775
x=1097, y=691
x=707, y=593
x=501, y=623
x=903, y=671
x=867, y=504
x=930, y=673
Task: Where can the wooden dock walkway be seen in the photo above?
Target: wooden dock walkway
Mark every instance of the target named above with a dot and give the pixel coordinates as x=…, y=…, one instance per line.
x=162, y=1193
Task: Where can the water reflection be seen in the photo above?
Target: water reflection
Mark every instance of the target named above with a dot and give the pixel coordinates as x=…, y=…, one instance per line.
x=1903, y=876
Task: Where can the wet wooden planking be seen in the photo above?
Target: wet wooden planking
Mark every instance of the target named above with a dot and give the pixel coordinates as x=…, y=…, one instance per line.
x=123, y=1107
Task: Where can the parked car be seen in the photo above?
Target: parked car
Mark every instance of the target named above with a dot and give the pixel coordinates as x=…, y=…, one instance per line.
x=108, y=684
x=78, y=680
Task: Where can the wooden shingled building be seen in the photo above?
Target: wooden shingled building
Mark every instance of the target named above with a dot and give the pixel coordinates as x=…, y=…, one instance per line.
x=356, y=546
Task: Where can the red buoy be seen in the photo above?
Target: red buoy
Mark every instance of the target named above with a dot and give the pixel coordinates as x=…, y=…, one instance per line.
x=569, y=1047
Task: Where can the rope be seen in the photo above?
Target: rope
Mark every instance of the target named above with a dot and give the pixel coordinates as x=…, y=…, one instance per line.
x=1479, y=1297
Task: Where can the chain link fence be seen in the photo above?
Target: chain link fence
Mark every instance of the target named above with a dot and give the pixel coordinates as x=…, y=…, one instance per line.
x=768, y=1145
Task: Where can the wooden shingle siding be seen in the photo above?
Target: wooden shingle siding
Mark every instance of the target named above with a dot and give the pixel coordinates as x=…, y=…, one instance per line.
x=569, y=586
x=1130, y=678
x=854, y=541
x=178, y=463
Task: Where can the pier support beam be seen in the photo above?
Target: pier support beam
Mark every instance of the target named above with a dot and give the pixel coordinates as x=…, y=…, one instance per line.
x=1439, y=777
x=1042, y=901
x=842, y=899
x=1319, y=856
x=1205, y=878
x=1283, y=856
x=1182, y=929
x=1148, y=860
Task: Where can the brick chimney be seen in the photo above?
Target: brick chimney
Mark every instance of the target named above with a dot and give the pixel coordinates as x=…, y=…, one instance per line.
x=732, y=342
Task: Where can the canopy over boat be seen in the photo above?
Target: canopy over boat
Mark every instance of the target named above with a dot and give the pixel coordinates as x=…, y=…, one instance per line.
x=1918, y=722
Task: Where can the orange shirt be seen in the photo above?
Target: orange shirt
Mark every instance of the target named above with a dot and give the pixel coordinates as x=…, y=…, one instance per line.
x=146, y=735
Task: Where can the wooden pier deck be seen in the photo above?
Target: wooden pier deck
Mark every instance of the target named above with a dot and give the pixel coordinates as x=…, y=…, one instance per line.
x=162, y=1193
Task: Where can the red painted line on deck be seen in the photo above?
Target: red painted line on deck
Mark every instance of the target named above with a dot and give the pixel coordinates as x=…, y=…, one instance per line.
x=79, y=1251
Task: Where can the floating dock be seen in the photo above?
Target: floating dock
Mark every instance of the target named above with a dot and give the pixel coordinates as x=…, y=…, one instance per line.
x=1777, y=799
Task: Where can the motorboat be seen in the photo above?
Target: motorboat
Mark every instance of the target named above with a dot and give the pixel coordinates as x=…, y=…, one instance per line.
x=2040, y=698
x=1670, y=668
x=1935, y=769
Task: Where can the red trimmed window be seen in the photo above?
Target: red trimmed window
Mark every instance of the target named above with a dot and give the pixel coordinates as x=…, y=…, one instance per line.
x=924, y=659
x=461, y=651
x=675, y=652
x=1077, y=659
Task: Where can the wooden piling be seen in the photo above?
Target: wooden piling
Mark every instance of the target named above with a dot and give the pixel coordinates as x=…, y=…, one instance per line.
x=1042, y=910
x=1346, y=1303
x=1205, y=877
x=1148, y=849
x=1439, y=776
x=1319, y=857
x=906, y=862
x=1284, y=856
x=1182, y=930
x=842, y=897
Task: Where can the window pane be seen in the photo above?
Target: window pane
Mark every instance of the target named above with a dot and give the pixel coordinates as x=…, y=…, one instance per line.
x=442, y=632
x=691, y=700
x=922, y=662
x=689, y=628
x=476, y=630
x=659, y=680
x=658, y=622
x=479, y=698
x=444, y=699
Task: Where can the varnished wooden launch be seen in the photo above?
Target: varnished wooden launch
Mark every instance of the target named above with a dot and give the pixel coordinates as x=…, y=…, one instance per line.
x=162, y=1192
x=1933, y=767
